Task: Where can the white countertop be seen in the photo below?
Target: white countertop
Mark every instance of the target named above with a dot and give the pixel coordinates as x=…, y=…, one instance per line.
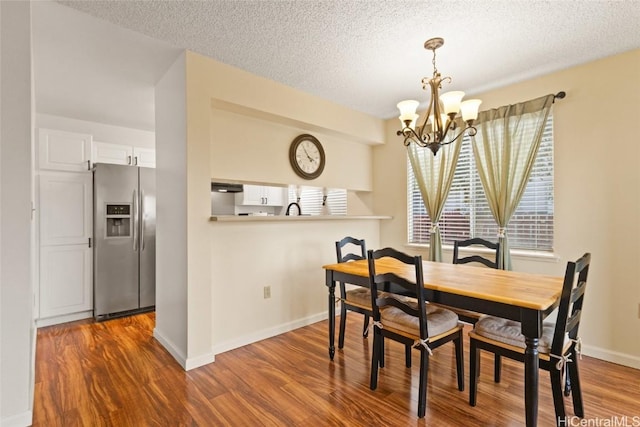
x=244, y=218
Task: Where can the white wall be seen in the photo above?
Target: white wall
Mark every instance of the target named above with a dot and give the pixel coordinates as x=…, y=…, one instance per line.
x=597, y=193
x=100, y=131
x=171, y=212
x=17, y=325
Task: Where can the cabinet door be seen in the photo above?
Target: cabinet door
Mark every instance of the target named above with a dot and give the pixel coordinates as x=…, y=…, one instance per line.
x=67, y=151
x=274, y=196
x=117, y=154
x=145, y=157
x=251, y=195
x=65, y=280
x=66, y=208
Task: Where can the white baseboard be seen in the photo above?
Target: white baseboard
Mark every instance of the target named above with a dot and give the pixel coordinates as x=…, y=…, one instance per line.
x=186, y=363
x=267, y=333
x=49, y=321
x=20, y=420
x=611, y=356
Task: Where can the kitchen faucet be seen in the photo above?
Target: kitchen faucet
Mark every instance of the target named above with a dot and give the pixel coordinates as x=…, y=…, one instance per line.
x=296, y=205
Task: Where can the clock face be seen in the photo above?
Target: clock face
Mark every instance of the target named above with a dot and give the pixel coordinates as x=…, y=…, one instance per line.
x=307, y=156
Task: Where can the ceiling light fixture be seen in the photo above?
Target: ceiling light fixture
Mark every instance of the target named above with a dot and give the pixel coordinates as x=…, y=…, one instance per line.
x=441, y=114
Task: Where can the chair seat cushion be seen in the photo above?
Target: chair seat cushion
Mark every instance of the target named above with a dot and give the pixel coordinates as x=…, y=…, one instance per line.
x=509, y=332
x=359, y=296
x=439, y=320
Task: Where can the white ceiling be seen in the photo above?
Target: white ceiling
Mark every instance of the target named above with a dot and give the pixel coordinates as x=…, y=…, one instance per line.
x=364, y=54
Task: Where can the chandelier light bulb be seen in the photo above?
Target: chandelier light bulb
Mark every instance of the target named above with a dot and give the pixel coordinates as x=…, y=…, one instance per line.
x=451, y=101
x=469, y=109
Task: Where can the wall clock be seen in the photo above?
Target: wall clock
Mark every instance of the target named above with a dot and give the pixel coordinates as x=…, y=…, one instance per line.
x=307, y=156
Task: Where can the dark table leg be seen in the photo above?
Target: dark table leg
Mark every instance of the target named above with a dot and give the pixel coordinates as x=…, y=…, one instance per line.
x=531, y=381
x=531, y=329
x=331, y=284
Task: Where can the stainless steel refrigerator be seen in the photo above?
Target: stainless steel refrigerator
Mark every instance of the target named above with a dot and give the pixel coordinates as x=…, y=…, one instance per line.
x=124, y=251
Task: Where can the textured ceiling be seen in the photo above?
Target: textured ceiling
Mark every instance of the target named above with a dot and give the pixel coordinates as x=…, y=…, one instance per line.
x=365, y=54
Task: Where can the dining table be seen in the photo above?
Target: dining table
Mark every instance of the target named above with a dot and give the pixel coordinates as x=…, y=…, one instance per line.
x=524, y=297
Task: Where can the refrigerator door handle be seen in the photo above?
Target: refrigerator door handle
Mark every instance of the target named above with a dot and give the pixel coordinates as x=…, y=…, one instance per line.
x=141, y=220
x=135, y=220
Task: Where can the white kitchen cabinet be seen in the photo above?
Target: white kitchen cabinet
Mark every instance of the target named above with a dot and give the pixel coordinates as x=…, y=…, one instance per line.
x=65, y=255
x=65, y=280
x=65, y=151
x=66, y=207
x=118, y=154
x=145, y=157
x=259, y=195
x=121, y=154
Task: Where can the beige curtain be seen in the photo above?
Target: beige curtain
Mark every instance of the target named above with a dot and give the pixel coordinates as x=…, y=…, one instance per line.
x=505, y=150
x=434, y=175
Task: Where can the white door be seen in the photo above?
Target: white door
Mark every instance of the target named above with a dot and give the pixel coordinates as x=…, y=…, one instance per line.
x=65, y=280
x=118, y=154
x=65, y=262
x=145, y=157
x=66, y=151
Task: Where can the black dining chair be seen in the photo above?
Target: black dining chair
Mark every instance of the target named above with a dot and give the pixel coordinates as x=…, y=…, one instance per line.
x=558, y=347
x=409, y=321
x=359, y=299
x=490, y=261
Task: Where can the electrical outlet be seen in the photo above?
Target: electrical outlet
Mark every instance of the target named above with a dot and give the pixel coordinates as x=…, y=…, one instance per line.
x=267, y=292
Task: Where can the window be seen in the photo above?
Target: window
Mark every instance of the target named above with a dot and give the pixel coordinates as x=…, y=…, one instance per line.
x=311, y=200
x=466, y=212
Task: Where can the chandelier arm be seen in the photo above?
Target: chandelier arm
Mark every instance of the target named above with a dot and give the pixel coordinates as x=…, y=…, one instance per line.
x=410, y=135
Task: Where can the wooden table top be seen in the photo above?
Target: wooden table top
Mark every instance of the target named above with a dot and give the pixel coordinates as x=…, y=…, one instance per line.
x=534, y=291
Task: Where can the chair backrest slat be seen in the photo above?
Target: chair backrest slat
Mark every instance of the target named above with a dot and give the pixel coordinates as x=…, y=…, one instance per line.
x=489, y=262
x=358, y=250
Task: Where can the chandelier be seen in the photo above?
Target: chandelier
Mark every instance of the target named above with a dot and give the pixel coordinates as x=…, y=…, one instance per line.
x=440, y=117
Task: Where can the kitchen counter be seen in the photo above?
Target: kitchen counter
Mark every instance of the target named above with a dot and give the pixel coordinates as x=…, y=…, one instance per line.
x=258, y=218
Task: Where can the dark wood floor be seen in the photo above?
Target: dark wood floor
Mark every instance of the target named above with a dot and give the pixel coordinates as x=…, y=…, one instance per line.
x=114, y=373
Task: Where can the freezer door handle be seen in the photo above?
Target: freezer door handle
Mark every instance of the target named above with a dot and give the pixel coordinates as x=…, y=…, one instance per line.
x=135, y=220
x=142, y=220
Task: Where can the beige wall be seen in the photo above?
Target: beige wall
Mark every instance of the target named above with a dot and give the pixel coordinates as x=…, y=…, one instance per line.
x=287, y=256
x=239, y=127
x=597, y=193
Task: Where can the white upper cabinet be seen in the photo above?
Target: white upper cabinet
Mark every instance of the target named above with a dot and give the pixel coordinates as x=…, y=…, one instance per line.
x=65, y=151
x=104, y=152
x=121, y=154
x=145, y=157
x=259, y=195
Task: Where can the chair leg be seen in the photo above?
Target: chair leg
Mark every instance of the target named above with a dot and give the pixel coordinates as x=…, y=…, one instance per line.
x=375, y=359
x=407, y=355
x=576, y=391
x=381, y=349
x=558, y=399
x=422, y=391
x=459, y=360
x=343, y=323
x=474, y=371
x=365, y=326
x=497, y=367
